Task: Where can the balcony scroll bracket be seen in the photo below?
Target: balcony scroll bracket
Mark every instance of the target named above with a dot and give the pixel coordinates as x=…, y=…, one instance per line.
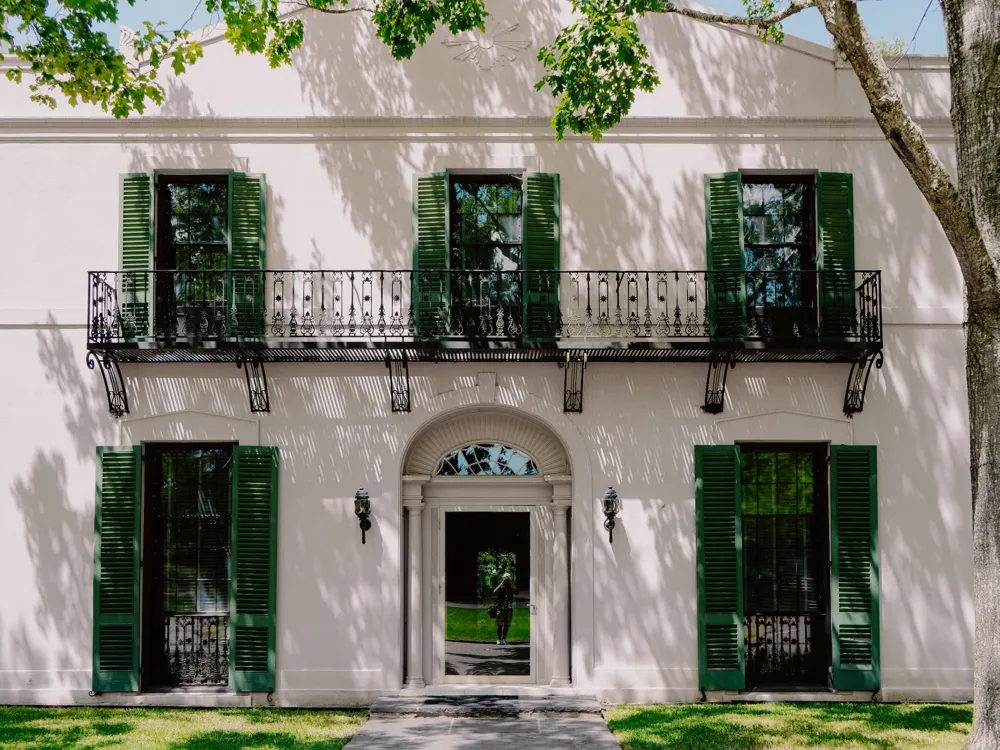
x=399, y=383
x=715, y=384
x=253, y=367
x=114, y=383
x=573, y=368
x=857, y=381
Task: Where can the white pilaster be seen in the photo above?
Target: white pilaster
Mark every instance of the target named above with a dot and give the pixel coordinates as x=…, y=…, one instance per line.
x=561, y=498
x=413, y=501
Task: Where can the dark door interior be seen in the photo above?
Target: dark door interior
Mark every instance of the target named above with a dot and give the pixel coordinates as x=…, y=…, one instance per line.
x=186, y=565
x=487, y=594
x=785, y=564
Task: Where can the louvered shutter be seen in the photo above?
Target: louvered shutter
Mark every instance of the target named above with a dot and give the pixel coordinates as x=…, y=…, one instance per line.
x=116, y=570
x=725, y=285
x=835, y=212
x=247, y=255
x=254, y=554
x=135, y=287
x=718, y=518
x=855, y=582
x=540, y=260
x=431, y=289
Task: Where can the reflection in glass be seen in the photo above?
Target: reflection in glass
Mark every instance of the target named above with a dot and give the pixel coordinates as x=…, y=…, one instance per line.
x=487, y=593
x=490, y=459
x=486, y=245
x=777, y=239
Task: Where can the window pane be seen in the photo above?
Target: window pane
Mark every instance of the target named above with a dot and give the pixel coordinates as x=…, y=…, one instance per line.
x=486, y=224
x=491, y=459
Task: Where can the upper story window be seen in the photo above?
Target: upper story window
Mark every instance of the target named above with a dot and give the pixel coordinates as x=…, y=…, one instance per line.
x=193, y=222
x=779, y=240
x=486, y=221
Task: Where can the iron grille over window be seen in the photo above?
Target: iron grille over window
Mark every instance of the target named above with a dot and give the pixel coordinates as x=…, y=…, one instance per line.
x=487, y=459
x=784, y=564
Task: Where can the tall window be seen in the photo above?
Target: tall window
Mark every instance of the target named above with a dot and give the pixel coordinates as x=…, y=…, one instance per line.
x=779, y=231
x=785, y=552
x=186, y=568
x=486, y=247
x=192, y=243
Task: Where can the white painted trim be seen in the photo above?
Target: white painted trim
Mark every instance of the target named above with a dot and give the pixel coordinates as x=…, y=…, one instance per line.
x=584, y=501
x=784, y=425
x=530, y=128
x=486, y=424
x=188, y=425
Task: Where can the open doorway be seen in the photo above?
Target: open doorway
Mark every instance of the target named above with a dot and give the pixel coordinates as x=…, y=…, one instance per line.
x=487, y=595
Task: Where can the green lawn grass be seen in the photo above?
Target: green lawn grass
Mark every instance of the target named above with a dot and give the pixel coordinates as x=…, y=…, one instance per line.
x=789, y=726
x=175, y=729
x=467, y=624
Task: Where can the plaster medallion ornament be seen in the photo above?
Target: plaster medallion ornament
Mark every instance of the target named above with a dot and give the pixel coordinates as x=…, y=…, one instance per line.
x=492, y=47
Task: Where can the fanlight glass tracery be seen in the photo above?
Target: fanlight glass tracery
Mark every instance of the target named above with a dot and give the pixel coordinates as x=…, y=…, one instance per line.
x=487, y=459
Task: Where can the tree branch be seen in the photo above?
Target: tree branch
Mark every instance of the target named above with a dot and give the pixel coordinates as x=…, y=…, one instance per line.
x=331, y=11
x=761, y=22
x=844, y=22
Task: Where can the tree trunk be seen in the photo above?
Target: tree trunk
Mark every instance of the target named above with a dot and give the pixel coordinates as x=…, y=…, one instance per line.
x=970, y=217
x=973, y=28
x=983, y=373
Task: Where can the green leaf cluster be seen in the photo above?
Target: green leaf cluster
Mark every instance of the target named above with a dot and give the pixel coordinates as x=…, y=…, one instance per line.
x=65, y=54
x=594, y=68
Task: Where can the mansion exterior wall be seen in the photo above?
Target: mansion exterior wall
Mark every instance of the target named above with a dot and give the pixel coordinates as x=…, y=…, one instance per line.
x=339, y=142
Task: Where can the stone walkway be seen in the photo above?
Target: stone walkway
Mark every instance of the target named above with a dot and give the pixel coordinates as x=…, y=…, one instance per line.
x=487, y=723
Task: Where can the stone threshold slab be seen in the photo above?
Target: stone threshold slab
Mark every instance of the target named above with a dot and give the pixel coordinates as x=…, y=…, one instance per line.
x=495, y=706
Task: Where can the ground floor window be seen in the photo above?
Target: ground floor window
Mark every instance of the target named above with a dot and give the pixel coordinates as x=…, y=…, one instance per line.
x=785, y=563
x=186, y=564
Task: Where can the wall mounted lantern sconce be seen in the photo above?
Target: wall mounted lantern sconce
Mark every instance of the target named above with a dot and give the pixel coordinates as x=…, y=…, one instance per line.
x=612, y=507
x=362, y=509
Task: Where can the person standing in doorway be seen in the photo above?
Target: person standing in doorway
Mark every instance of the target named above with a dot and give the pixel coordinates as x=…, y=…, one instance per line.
x=505, y=606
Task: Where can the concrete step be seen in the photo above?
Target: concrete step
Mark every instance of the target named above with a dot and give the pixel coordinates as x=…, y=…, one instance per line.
x=496, y=706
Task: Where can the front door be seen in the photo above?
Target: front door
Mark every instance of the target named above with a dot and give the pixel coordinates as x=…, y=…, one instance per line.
x=488, y=584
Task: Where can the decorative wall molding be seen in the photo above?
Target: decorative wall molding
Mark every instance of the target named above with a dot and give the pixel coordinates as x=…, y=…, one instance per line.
x=486, y=425
x=497, y=45
x=319, y=129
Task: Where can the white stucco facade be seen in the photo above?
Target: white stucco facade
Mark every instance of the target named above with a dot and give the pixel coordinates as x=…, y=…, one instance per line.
x=339, y=136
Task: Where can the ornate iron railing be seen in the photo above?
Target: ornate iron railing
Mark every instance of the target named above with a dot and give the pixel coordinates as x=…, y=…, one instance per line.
x=787, y=650
x=781, y=308
x=196, y=649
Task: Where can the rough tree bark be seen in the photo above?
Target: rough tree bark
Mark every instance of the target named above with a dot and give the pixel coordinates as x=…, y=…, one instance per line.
x=970, y=217
x=973, y=28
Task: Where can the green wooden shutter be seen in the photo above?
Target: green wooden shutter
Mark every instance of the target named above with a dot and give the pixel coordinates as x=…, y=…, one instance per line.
x=116, y=569
x=540, y=259
x=135, y=290
x=726, y=289
x=835, y=220
x=855, y=584
x=431, y=288
x=247, y=255
x=718, y=518
x=254, y=553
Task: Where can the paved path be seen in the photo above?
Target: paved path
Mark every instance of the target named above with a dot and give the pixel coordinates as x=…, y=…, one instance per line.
x=485, y=723
x=541, y=732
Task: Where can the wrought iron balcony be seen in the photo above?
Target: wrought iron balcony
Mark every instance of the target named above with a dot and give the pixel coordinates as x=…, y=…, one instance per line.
x=369, y=315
